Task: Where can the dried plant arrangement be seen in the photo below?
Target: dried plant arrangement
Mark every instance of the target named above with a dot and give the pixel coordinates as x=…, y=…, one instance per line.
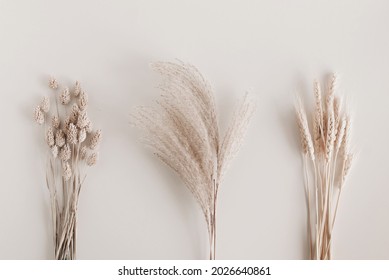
x=72, y=148
x=327, y=160
x=182, y=130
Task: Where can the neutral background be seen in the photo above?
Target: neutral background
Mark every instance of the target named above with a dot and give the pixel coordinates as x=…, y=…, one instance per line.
x=133, y=207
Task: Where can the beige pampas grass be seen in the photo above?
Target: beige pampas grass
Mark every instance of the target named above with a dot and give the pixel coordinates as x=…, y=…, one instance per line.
x=183, y=132
x=326, y=157
x=67, y=161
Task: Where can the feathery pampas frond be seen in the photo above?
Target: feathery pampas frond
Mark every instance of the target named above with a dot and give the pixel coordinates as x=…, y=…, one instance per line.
x=67, y=160
x=327, y=160
x=183, y=131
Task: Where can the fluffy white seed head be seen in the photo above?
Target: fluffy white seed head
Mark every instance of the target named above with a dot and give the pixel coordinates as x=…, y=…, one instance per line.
x=92, y=159
x=306, y=139
x=45, y=104
x=54, y=151
x=72, y=134
x=55, y=122
x=337, y=112
x=330, y=136
x=347, y=163
x=184, y=133
x=347, y=136
x=53, y=83
x=67, y=171
x=50, y=137
x=81, y=135
x=74, y=113
x=318, y=119
x=83, y=119
x=95, y=140
x=60, y=138
x=340, y=134
x=77, y=89
x=65, y=153
x=89, y=126
x=39, y=115
x=83, y=152
x=66, y=124
x=83, y=101
x=332, y=84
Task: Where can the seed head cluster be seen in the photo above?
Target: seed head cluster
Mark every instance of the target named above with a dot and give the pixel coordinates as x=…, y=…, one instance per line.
x=70, y=137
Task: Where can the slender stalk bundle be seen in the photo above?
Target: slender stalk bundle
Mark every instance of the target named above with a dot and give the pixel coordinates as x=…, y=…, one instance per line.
x=72, y=146
x=327, y=160
x=183, y=131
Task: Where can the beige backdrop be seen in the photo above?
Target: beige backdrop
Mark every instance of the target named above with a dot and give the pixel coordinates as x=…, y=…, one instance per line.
x=133, y=207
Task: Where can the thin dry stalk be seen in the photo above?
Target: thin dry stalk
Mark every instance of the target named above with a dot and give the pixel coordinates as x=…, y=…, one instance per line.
x=327, y=160
x=183, y=131
x=66, y=163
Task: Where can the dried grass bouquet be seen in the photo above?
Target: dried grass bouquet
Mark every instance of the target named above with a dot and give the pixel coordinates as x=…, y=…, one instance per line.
x=183, y=131
x=327, y=160
x=72, y=146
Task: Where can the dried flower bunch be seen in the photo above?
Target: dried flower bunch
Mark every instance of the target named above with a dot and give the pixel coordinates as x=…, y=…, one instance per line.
x=184, y=134
x=327, y=161
x=73, y=145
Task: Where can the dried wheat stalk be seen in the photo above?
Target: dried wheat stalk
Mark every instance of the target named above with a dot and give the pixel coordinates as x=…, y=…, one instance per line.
x=72, y=147
x=327, y=160
x=184, y=134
